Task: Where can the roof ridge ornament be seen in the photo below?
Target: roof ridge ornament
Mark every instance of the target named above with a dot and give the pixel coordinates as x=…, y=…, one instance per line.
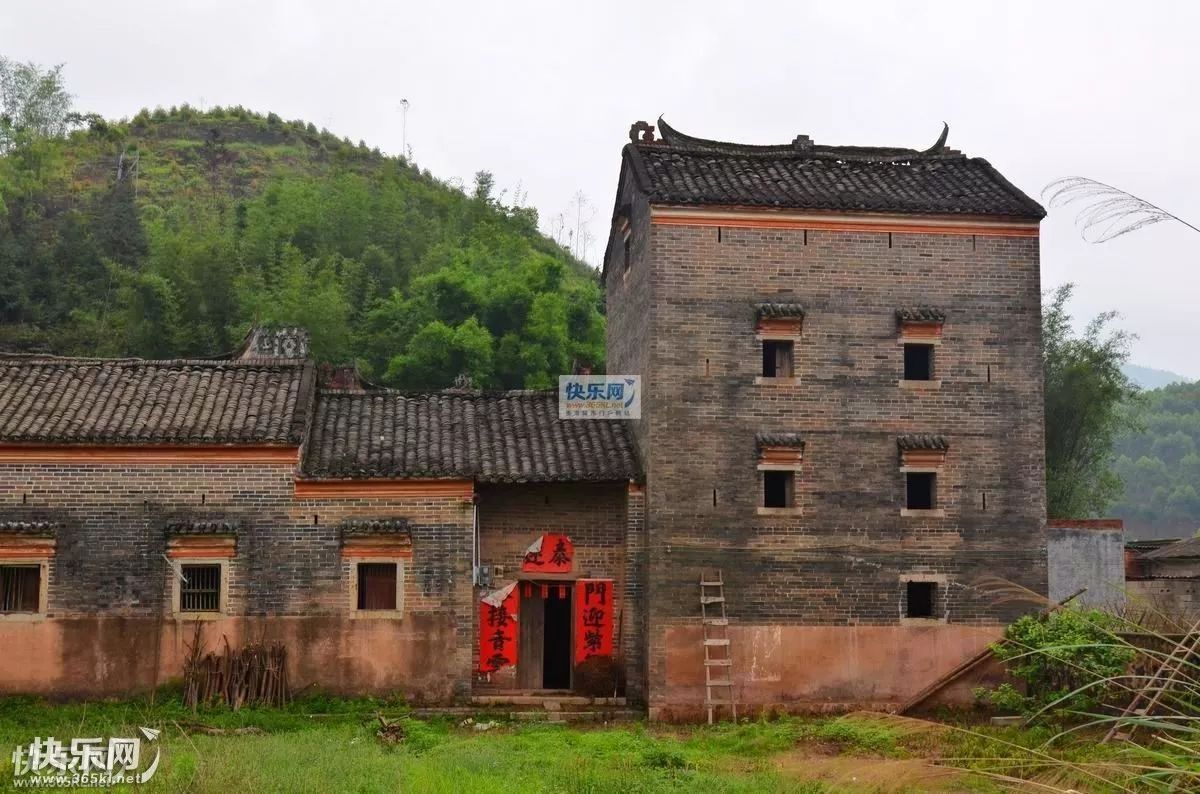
x=275, y=342
x=641, y=132
x=940, y=144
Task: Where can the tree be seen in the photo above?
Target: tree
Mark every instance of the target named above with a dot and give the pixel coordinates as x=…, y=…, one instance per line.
x=1085, y=393
x=439, y=353
x=34, y=103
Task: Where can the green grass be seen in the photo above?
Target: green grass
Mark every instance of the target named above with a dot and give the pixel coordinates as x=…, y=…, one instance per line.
x=329, y=745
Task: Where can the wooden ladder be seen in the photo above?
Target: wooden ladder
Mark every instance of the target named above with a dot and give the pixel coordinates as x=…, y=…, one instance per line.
x=1147, y=698
x=718, y=657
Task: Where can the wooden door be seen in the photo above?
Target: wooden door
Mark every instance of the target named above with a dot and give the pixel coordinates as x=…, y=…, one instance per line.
x=531, y=627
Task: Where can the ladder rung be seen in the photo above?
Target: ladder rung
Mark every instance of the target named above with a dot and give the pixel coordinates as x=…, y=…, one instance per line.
x=718, y=702
x=716, y=621
x=718, y=662
x=711, y=599
x=720, y=682
x=716, y=642
x=710, y=584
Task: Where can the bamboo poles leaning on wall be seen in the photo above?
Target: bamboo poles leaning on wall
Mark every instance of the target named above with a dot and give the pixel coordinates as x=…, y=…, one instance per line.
x=255, y=674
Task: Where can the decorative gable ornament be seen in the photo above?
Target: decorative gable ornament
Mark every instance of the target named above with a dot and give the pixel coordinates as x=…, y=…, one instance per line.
x=286, y=343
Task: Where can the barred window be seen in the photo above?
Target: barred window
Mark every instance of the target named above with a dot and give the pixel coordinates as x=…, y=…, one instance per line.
x=200, y=589
x=20, y=588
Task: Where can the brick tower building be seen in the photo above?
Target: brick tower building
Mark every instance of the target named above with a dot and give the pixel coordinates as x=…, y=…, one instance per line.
x=842, y=408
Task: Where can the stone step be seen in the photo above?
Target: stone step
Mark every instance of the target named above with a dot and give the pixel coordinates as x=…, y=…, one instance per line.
x=542, y=700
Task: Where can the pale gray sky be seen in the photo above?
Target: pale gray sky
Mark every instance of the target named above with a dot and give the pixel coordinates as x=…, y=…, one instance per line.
x=542, y=94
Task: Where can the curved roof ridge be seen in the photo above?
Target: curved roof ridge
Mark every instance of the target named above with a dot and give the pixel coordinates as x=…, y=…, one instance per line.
x=803, y=146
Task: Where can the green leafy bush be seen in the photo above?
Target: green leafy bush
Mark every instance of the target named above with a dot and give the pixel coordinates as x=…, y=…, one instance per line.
x=1066, y=660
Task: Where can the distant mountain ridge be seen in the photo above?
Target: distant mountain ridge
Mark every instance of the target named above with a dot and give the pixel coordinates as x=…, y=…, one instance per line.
x=1150, y=378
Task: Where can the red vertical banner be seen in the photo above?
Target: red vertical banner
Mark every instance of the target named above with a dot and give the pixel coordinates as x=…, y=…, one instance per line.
x=498, y=629
x=593, y=618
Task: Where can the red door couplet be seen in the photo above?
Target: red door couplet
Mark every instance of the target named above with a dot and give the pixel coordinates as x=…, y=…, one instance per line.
x=498, y=629
x=593, y=618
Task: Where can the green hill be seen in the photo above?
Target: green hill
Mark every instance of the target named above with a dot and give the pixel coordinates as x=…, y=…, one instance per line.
x=170, y=233
x=1160, y=464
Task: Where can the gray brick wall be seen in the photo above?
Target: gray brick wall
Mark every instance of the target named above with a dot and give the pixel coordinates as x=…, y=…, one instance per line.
x=689, y=317
x=111, y=540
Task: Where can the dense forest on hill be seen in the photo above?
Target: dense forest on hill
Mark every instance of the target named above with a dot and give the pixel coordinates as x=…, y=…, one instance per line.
x=1159, y=463
x=169, y=233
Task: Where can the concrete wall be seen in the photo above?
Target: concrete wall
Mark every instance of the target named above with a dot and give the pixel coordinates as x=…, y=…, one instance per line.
x=1084, y=554
x=819, y=668
x=1177, y=599
x=82, y=657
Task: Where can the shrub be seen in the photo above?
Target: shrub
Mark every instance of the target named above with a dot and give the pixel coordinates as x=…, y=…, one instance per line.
x=1057, y=654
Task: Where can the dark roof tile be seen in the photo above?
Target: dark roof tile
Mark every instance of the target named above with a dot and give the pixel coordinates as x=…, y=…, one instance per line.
x=920, y=314
x=511, y=436
x=40, y=529
x=1183, y=549
x=779, y=440
x=133, y=401
x=375, y=526
x=921, y=441
x=681, y=169
x=772, y=309
x=203, y=528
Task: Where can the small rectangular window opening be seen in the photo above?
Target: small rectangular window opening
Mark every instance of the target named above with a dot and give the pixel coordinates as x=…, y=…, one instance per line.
x=918, y=362
x=779, y=489
x=920, y=599
x=377, y=585
x=778, y=359
x=20, y=588
x=627, y=254
x=200, y=588
x=921, y=490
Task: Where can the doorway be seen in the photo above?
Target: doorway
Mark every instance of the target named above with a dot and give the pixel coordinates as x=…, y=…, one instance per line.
x=545, y=625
